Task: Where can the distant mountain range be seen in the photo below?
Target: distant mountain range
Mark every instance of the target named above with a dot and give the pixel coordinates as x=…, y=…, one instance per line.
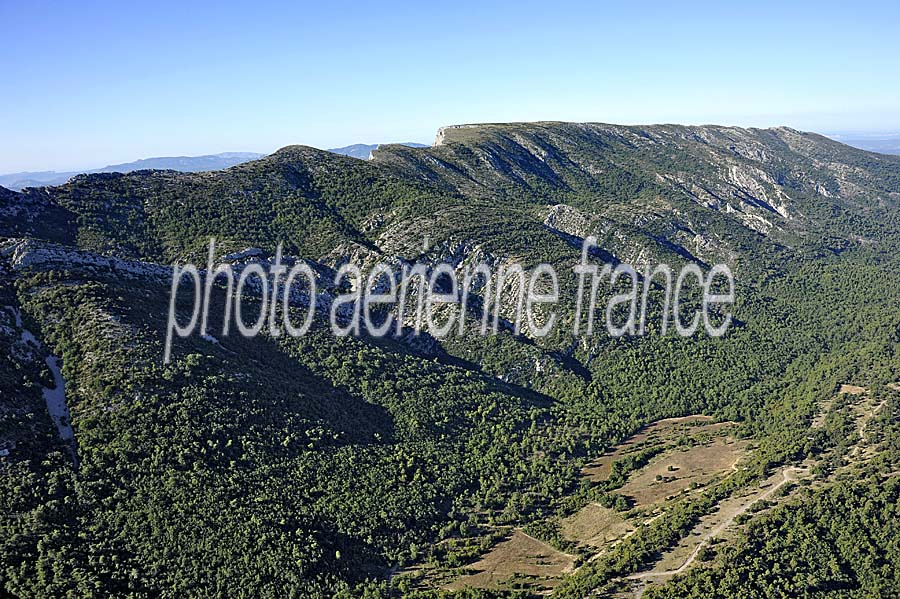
x=187, y=164
x=364, y=151
x=883, y=143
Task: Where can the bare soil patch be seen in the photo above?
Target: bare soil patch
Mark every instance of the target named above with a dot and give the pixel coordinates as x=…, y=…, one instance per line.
x=852, y=389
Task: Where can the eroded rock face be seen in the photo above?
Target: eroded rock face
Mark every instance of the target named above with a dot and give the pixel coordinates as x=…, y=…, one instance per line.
x=35, y=214
x=31, y=254
x=756, y=187
x=567, y=219
x=732, y=174
x=649, y=194
x=243, y=255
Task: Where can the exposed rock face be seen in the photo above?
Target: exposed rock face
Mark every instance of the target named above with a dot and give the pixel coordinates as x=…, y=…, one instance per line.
x=661, y=193
x=698, y=191
x=442, y=134
x=751, y=186
x=243, y=255
x=574, y=222
x=36, y=255
x=34, y=214
x=32, y=255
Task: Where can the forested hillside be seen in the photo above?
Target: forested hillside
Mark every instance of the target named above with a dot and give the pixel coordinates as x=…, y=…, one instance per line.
x=321, y=466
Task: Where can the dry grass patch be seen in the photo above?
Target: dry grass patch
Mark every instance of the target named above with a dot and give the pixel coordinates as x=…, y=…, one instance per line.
x=676, y=469
x=518, y=557
x=718, y=524
x=655, y=433
x=594, y=525
x=852, y=389
x=711, y=523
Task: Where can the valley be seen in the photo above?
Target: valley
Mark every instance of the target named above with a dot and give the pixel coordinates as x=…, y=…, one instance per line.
x=697, y=449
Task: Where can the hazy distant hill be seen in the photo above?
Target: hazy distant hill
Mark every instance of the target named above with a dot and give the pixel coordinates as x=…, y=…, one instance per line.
x=187, y=164
x=364, y=151
x=883, y=143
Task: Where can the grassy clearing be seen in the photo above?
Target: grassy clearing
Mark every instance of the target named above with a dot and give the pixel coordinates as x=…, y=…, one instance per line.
x=518, y=559
x=656, y=433
x=594, y=525
x=694, y=451
x=722, y=525
x=679, y=469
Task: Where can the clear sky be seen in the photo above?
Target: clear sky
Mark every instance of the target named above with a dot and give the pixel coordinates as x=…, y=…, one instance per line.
x=87, y=83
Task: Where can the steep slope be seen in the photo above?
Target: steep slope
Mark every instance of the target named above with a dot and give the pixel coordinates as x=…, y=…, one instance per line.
x=708, y=193
x=688, y=185
x=321, y=465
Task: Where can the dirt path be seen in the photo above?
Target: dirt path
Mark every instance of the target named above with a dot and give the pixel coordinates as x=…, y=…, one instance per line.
x=865, y=419
x=54, y=398
x=788, y=474
x=866, y=412
x=603, y=552
x=56, y=401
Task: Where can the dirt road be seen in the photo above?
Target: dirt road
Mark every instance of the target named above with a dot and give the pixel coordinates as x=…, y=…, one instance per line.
x=788, y=474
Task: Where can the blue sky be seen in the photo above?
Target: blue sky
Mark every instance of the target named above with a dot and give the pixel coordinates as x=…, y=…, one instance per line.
x=90, y=83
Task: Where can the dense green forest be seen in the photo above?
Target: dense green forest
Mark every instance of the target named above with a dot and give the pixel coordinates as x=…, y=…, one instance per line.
x=321, y=466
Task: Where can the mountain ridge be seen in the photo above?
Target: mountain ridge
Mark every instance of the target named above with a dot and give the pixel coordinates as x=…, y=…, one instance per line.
x=768, y=182
x=326, y=465
x=364, y=151
x=206, y=162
